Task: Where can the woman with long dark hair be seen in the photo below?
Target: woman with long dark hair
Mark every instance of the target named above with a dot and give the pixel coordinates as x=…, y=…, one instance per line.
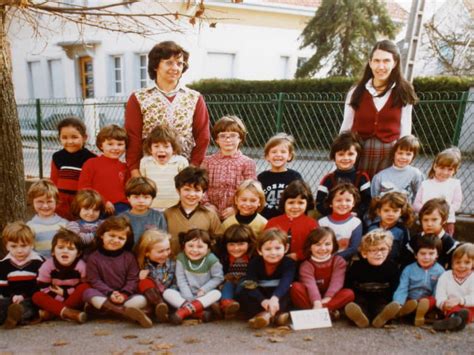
x=379, y=107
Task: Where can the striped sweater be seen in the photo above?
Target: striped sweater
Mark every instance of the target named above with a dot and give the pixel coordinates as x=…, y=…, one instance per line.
x=19, y=279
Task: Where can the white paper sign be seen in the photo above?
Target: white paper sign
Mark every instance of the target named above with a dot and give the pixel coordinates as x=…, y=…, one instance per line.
x=310, y=319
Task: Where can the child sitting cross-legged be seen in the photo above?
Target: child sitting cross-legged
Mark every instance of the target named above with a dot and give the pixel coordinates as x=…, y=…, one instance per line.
x=265, y=297
x=321, y=275
x=157, y=269
x=62, y=280
x=373, y=279
x=198, y=274
x=18, y=272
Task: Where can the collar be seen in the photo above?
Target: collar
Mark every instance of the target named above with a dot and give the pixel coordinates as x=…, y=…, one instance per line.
x=440, y=234
x=62, y=267
x=33, y=256
x=237, y=154
x=321, y=260
x=244, y=258
x=400, y=169
x=369, y=85
x=245, y=219
x=112, y=253
x=186, y=214
x=340, y=217
x=171, y=93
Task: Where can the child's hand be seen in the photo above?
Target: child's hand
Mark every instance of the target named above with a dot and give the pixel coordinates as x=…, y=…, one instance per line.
x=451, y=302
x=292, y=256
x=227, y=212
x=109, y=208
x=117, y=297
x=273, y=305
x=200, y=293
x=325, y=300
x=18, y=299
x=57, y=290
x=317, y=304
x=135, y=173
x=143, y=274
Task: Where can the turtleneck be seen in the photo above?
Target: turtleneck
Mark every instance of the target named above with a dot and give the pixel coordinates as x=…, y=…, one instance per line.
x=340, y=217
x=111, y=253
x=245, y=219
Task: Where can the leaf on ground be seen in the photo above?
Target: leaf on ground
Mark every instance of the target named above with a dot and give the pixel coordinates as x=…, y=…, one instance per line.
x=390, y=326
x=417, y=336
x=191, y=322
x=308, y=338
x=130, y=336
x=162, y=346
x=432, y=331
x=141, y=352
x=101, y=333
x=60, y=342
x=107, y=321
x=191, y=340
x=284, y=328
x=275, y=339
x=282, y=331
x=145, y=341
x=258, y=335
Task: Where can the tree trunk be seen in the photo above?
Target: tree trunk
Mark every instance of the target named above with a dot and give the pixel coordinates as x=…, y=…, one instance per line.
x=12, y=177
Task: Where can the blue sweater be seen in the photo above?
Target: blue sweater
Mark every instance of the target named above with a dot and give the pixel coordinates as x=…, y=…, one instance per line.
x=416, y=282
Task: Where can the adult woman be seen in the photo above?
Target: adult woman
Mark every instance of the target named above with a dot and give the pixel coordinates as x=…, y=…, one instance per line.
x=167, y=102
x=379, y=107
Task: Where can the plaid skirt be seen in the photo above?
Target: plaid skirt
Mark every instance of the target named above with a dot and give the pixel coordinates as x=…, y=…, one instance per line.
x=375, y=157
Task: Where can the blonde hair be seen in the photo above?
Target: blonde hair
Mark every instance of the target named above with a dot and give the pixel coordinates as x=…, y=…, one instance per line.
x=18, y=232
x=43, y=187
x=146, y=242
x=253, y=186
x=375, y=237
x=230, y=124
x=281, y=138
x=449, y=157
x=465, y=249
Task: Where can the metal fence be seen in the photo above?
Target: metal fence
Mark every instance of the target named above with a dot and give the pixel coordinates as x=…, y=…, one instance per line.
x=440, y=119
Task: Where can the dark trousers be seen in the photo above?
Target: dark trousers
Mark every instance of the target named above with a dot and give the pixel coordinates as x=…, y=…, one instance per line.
x=372, y=305
x=29, y=309
x=251, y=305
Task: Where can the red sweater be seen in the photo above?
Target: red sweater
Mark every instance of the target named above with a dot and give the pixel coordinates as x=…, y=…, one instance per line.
x=134, y=125
x=106, y=176
x=383, y=124
x=298, y=228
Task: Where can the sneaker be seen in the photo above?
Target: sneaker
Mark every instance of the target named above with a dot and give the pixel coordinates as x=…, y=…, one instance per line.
x=355, y=314
x=282, y=319
x=261, y=320
x=408, y=308
x=421, y=310
x=229, y=307
x=389, y=312
x=450, y=323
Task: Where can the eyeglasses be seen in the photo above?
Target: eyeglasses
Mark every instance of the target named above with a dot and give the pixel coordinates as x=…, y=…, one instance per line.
x=228, y=136
x=378, y=250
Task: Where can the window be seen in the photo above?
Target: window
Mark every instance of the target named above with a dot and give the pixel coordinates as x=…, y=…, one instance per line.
x=36, y=80
x=86, y=71
x=117, y=75
x=284, y=67
x=143, y=70
x=56, y=78
x=301, y=61
x=220, y=65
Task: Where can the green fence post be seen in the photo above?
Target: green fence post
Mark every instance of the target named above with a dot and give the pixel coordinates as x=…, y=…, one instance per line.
x=460, y=118
x=38, y=137
x=279, y=111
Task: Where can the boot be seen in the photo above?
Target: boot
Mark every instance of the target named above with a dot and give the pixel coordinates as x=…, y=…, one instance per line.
x=421, y=310
x=464, y=315
x=74, y=315
x=45, y=316
x=204, y=316
x=154, y=298
x=355, y=314
x=453, y=322
x=282, y=319
x=185, y=311
x=261, y=320
x=229, y=307
x=408, y=308
x=14, y=315
x=389, y=312
x=129, y=313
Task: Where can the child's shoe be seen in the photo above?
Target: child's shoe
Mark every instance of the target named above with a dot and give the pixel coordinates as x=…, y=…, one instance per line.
x=185, y=311
x=282, y=319
x=389, y=312
x=261, y=320
x=14, y=315
x=355, y=314
x=335, y=315
x=74, y=315
x=129, y=313
x=205, y=316
x=450, y=323
x=45, y=316
x=154, y=298
x=408, y=308
x=421, y=310
x=229, y=307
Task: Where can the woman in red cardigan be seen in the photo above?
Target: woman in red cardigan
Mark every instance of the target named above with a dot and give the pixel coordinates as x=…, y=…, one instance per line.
x=167, y=102
x=379, y=107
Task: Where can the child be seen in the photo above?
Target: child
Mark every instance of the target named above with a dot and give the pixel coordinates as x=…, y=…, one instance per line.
x=321, y=275
x=418, y=281
x=265, y=296
x=296, y=200
x=198, y=274
x=394, y=214
x=348, y=228
x=345, y=151
x=140, y=193
x=373, y=279
x=191, y=183
x=44, y=197
x=107, y=174
x=228, y=167
x=248, y=201
x=61, y=279
x=157, y=269
x=455, y=291
x=86, y=207
x=279, y=151
x=433, y=216
x=238, y=240
x=441, y=184
x=67, y=163
x=18, y=272
x=401, y=176
x=162, y=163
x=112, y=273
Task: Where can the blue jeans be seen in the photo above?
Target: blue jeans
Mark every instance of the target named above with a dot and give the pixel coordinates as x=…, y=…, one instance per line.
x=230, y=290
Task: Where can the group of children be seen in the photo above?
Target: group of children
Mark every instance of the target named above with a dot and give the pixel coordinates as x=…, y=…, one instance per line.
x=181, y=241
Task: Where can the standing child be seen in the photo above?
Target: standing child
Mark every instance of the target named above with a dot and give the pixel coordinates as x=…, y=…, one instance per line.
x=198, y=274
x=296, y=200
x=442, y=184
x=348, y=228
x=87, y=207
x=373, y=279
x=162, y=163
x=107, y=174
x=228, y=167
x=62, y=279
x=157, y=269
x=265, y=296
x=67, y=163
x=248, y=202
x=18, y=272
x=394, y=214
x=112, y=272
x=191, y=183
x=345, y=151
x=401, y=176
x=321, y=275
x=455, y=291
x=44, y=197
x=279, y=151
x=237, y=243
x=140, y=193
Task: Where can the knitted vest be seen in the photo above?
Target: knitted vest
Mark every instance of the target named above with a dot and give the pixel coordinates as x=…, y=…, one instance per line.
x=157, y=109
x=383, y=124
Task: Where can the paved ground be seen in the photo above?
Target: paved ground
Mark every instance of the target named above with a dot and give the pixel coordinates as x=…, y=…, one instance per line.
x=232, y=337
